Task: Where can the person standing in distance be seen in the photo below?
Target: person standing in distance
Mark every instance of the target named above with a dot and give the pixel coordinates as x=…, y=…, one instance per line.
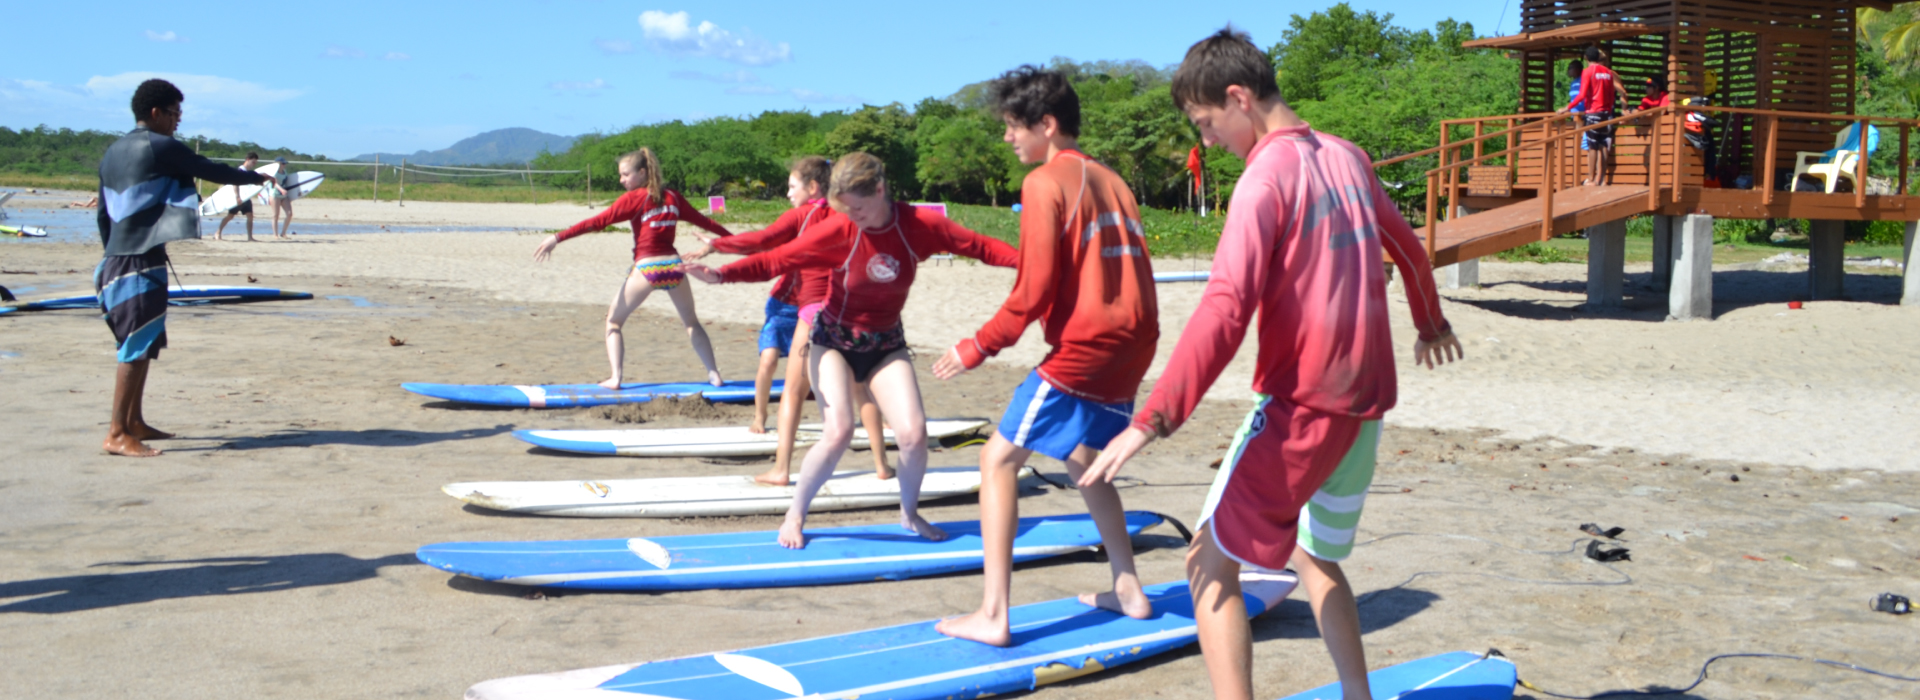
x=147, y=199
x=245, y=206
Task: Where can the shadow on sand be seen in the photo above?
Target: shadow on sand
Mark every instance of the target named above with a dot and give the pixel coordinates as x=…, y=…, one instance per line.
x=363, y=438
x=201, y=577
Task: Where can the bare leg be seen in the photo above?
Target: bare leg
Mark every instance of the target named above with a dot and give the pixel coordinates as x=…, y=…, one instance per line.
x=762, y=387
x=249, y=226
x=682, y=297
x=1226, y=639
x=1000, y=463
x=792, y=399
x=1339, y=617
x=222, y=227
x=630, y=296
x=833, y=388
x=1103, y=503
x=123, y=436
x=288, y=205
x=876, y=433
x=898, y=392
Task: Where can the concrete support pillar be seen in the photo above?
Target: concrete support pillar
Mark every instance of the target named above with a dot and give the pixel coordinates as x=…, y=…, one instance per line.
x=1691, y=297
x=1910, y=295
x=1827, y=260
x=1606, y=265
x=1663, y=226
x=1462, y=275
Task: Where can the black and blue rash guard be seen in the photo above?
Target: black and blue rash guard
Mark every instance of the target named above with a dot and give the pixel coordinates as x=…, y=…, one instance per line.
x=147, y=195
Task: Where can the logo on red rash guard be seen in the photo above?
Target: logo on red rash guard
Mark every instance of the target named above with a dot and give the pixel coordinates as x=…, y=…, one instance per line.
x=883, y=268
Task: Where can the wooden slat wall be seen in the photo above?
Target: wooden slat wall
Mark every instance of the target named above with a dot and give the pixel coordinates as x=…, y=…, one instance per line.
x=1633, y=148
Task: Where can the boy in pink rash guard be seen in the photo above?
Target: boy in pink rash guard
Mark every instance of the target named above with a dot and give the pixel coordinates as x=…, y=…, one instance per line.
x=1302, y=248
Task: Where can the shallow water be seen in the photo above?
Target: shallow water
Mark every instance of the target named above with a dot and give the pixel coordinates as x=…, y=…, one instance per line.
x=78, y=226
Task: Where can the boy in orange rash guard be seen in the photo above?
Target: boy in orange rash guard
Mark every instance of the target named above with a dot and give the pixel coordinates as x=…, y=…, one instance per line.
x=1085, y=276
x=874, y=247
x=796, y=296
x=1301, y=249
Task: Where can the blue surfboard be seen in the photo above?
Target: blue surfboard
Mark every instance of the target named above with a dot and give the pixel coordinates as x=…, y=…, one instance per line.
x=1461, y=675
x=577, y=395
x=755, y=559
x=189, y=292
x=1052, y=641
x=1189, y=276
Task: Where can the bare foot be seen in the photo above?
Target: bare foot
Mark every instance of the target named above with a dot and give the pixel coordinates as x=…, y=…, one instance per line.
x=714, y=379
x=216, y=237
x=250, y=239
x=921, y=527
x=790, y=535
x=612, y=384
x=128, y=446
x=1135, y=606
x=773, y=477
x=148, y=432
x=979, y=627
x=759, y=424
x=883, y=472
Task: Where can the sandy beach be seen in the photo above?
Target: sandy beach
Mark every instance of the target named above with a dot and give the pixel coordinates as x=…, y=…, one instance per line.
x=1764, y=465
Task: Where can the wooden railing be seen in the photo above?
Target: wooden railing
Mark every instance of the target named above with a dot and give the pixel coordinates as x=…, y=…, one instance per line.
x=1665, y=161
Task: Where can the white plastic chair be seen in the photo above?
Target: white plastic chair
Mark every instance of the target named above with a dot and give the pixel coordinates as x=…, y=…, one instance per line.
x=1831, y=166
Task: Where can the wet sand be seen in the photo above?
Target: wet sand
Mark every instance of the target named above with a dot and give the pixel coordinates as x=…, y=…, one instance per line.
x=269, y=553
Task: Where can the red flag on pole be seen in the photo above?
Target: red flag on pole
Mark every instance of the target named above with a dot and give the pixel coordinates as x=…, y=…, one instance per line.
x=1194, y=165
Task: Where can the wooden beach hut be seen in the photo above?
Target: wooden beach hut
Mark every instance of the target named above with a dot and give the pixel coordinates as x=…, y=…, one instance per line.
x=1784, y=104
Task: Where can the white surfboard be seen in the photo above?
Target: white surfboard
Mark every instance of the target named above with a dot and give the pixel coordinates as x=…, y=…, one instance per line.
x=679, y=497
x=304, y=183
x=227, y=197
x=732, y=441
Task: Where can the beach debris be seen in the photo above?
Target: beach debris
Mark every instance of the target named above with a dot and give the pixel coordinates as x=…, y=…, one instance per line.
x=1891, y=603
x=396, y=342
x=1602, y=553
x=1795, y=305
x=1750, y=557
x=1612, y=533
x=251, y=280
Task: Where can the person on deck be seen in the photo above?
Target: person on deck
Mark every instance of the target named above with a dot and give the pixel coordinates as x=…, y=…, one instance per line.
x=791, y=310
x=874, y=246
x=148, y=199
x=655, y=213
x=1300, y=264
x=1599, y=98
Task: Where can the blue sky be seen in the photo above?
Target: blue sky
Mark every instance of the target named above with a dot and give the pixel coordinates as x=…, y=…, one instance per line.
x=357, y=77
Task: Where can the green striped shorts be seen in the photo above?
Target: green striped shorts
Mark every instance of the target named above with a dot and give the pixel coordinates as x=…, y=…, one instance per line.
x=1329, y=519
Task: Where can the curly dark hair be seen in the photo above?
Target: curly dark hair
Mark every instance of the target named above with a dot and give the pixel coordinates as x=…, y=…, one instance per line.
x=1028, y=93
x=154, y=94
x=1225, y=59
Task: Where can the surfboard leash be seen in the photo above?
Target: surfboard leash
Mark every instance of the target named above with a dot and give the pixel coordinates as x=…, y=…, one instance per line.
x=1702, y=678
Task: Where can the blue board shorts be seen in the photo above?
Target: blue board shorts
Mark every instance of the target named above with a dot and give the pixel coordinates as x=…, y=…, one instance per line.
x=133, y=301
x=1052, y=422
x=777, y=332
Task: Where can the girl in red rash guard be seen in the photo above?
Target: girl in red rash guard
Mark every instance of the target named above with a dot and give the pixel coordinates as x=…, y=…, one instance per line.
x=653, y=210
x=796, y=297
x=874, y=249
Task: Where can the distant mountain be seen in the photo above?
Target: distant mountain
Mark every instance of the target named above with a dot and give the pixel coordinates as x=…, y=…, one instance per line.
x=500, y=147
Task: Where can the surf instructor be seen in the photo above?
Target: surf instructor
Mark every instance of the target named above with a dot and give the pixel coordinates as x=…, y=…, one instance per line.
x=147, y=199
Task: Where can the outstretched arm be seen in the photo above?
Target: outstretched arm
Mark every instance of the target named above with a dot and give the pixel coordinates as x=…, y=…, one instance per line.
x=693, y=216
x=1436, y=345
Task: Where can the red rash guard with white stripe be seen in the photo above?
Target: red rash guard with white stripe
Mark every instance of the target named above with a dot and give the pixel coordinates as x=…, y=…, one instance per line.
x=1598, y=90
x=1084, y=273
x=653, y=221
x=800, y=288
x=872, y=271
x=1302, y=246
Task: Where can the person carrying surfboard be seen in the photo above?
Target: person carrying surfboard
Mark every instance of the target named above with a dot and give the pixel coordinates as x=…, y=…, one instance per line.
x=654, y=212
x=1302, y=248
x=1084, y=275
x=280, y=197
x=144, y=178
x=796, y=299
x=874, y=246
x=244, y=207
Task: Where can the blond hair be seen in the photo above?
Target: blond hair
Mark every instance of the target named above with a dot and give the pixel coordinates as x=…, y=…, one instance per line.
x=644, y=161
x=859, y=174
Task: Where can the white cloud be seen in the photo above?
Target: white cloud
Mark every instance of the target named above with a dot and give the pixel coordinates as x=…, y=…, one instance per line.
x=209, y=90
x=675, y=33
x=739, y=76
x=214, y=104
x=342, y=52
x=397, y=56
x=811, y=96
x=594, y=85
x=166, y=36
x=755, y=90
x=613, y=46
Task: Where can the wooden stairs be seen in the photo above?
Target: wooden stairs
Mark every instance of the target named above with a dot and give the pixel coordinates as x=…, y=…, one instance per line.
x=1498, y=230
